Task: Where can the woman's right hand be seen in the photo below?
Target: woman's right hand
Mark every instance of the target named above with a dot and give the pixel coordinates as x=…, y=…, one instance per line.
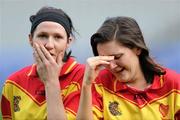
x=93, y=66
x=48, y=69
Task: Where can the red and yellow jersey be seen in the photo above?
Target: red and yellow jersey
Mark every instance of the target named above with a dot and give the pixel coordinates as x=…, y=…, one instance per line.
x=23, y=95
x=113, y=100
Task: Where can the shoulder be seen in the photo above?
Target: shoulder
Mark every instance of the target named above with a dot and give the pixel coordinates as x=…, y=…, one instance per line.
x=172, y=77
x=80, y=67
x=20, y=73
x=106, y=79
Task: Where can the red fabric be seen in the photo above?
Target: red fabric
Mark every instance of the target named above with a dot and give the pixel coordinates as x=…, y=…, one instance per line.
x=5, y=106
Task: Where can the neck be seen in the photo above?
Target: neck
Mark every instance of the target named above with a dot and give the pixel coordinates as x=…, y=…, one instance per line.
x=139, y=82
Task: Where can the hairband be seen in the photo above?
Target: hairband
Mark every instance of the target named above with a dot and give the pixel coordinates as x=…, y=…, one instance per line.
x=51, y=16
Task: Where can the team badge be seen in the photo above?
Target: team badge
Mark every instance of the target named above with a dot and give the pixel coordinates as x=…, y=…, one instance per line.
x=16, y=103
x=164, y=109
x=113, y=108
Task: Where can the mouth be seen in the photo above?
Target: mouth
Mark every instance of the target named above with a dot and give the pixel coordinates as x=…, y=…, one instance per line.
x=53, y=55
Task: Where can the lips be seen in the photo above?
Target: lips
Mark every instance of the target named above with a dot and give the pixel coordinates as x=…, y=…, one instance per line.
x=52, y=54
x=119, y=69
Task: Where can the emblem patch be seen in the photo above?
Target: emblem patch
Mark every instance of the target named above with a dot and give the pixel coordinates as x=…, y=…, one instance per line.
x=16, y=100
x=164, y=109
x=113, y=108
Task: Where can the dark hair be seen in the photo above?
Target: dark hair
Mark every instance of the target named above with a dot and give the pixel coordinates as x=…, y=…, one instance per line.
x=56, y=15
x=126, y=31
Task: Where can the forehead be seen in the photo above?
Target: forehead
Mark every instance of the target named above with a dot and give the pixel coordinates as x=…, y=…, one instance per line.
x=49, y=26
x=110, y=48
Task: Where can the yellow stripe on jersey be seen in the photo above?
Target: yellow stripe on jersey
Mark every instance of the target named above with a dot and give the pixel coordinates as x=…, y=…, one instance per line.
x=115, y=82
x=73, y=87
x=70, y=67
x=31, y=70
x=71, y=114
x=97, y=113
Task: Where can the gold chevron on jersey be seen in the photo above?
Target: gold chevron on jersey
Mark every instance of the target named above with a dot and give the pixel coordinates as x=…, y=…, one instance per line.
x=21, y=91
x=74, y=86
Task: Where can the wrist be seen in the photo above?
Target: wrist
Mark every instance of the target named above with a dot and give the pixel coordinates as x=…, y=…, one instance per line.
x=54, y=83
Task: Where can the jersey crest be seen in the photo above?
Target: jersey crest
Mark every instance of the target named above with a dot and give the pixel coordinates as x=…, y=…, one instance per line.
x=16, y=101
x=114, y=109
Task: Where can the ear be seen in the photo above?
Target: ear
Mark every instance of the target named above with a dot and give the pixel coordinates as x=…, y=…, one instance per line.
x=70, y=39
x=31, y=40
x=137, y=51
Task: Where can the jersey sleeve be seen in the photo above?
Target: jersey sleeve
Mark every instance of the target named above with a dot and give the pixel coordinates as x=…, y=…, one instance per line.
x=177, y=96
x=7, y=101
x=174, y=77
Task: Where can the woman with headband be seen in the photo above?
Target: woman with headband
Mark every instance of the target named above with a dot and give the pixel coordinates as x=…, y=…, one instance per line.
x=48, y=89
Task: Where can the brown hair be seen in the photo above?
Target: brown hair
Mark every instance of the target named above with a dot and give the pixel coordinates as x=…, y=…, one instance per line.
x=126, y=31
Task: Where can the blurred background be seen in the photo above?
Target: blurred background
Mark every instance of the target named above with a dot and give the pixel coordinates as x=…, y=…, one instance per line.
x=158, y=19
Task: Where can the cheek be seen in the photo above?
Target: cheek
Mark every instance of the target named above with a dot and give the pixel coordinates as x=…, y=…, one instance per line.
x=43, y=42
x=61, y=47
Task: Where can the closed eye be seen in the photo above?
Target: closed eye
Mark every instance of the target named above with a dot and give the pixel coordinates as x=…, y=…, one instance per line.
x=118, y=56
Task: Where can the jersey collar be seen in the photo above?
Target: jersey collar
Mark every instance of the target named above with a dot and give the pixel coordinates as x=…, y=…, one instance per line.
x=158, y=83
x=67, y=68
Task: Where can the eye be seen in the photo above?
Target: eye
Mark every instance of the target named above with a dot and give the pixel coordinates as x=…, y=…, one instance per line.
x=57, y=37
x=116, y=57
x=42, y=36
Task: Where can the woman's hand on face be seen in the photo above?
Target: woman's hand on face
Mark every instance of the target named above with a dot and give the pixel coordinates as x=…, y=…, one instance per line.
x=48, y=69
x=93, y=66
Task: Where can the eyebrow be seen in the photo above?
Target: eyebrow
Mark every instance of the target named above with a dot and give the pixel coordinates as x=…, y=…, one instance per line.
x=116, y=54
x=42, y=32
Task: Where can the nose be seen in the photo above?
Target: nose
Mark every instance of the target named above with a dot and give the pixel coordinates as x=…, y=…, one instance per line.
x=49, y=44
x=113, y=64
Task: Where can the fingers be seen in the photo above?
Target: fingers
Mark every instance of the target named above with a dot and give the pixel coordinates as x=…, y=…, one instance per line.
x=99, y=60
x=93, y=67
x=41, y=54
x=37, y=57
x=46, y=54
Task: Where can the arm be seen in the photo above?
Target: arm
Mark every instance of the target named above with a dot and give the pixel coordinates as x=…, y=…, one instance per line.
x=93, y=67
x=48, y=71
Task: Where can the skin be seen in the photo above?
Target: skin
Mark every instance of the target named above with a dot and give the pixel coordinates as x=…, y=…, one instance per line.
x=125, y=66
x=121, y=61
x=49, y=42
